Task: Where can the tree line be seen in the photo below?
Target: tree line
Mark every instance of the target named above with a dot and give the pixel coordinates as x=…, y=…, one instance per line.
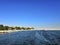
x=2, y=27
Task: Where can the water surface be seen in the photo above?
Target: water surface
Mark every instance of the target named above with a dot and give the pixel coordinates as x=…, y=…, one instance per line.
x=35, y=37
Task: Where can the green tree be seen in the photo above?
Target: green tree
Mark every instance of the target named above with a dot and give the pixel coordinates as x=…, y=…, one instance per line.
x=23, y=28
x=1, y=27
x=6, y=27
x=28, y=28
x=17, y=28
x=11, y=28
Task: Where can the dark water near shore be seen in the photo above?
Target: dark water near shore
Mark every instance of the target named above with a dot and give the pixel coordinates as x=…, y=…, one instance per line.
x=37, y=37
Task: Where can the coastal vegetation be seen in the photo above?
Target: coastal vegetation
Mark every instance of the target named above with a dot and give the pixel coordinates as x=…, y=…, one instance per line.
x=2, y=27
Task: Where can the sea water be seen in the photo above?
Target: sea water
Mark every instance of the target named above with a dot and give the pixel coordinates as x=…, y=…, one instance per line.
x=34, y=37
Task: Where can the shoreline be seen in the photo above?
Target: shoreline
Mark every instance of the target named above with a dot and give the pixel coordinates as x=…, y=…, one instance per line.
x=10, y=31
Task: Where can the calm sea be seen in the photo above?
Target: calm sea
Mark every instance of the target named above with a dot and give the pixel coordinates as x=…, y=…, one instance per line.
x=35, y=37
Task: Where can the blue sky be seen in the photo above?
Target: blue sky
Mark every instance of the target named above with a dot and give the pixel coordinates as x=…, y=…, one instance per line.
x=36, y=13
